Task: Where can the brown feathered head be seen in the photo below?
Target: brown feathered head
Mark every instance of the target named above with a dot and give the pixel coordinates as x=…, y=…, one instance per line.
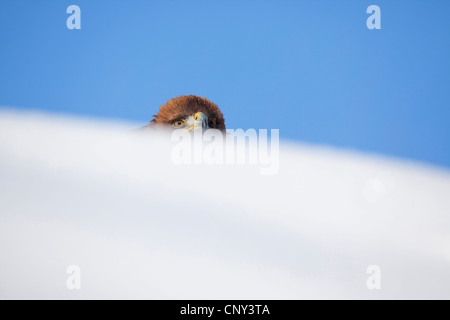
x=189, y=112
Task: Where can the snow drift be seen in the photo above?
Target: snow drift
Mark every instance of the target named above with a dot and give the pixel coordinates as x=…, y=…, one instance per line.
x=110, y=201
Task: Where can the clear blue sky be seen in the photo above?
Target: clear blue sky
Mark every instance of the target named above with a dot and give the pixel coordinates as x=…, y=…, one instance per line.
x=309, y=68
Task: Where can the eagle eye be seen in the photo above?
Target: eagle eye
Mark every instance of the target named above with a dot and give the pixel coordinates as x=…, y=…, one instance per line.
x=212, y=122
x=179, y=123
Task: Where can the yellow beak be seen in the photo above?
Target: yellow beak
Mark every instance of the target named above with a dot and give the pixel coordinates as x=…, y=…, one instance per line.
x=200, y=122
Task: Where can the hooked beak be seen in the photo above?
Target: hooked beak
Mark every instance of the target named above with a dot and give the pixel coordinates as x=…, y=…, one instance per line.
x=200, y=122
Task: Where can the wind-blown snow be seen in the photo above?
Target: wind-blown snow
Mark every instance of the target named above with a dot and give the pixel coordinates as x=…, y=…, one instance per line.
x=112, y=202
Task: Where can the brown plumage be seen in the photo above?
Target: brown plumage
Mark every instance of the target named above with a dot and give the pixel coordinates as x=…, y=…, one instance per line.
x=182, y=109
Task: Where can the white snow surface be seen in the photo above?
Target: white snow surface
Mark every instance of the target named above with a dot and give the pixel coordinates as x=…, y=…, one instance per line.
x=95, y=195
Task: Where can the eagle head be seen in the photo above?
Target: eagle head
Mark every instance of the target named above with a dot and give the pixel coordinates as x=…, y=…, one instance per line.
x=189, y=112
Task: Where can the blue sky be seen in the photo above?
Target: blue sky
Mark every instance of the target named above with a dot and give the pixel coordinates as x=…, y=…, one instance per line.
x=309, y=68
